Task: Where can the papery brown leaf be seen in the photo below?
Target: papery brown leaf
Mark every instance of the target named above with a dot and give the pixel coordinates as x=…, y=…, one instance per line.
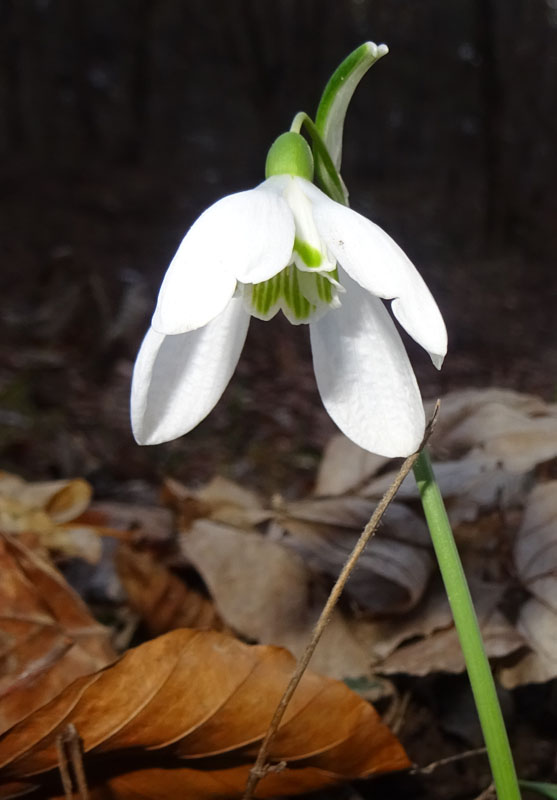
x=44, y=514
x=219, y=500
x=145, y=522
x=485, y=444
x=40, y=506
x=535, y=550
x=267, y=593
x=182, y=716
x=470, y=486
x=438, y=648
x=61, y=500
x=345, y=467
x=392, y=573
x=535, y=556
x=162, y=600
x=47, y=636
x=519, y=430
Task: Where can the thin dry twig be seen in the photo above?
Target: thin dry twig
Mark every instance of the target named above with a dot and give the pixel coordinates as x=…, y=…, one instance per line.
x=259, y=769
x=487, y=794
x=394, y=718
x=429, y=768
x=68, y=747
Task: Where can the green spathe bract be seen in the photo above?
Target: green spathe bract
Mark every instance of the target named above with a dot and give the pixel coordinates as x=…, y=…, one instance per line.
x=290, y=154
x=336, y=97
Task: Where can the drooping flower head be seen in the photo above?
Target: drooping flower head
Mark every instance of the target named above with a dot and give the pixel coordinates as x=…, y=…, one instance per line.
x=286, y=246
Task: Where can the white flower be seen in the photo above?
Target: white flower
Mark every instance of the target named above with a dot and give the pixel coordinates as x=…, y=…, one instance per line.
x=286, y=245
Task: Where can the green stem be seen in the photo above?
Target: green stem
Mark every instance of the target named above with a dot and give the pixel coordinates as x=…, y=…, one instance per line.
x=466, y=623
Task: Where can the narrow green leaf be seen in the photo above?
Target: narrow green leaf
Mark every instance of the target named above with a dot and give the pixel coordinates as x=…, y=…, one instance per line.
x=546, y=789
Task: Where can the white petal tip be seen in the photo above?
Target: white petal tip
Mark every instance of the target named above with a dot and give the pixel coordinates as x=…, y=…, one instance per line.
x=178, y=380
x=437, y=360
x=396, y=450
x=144, y=439
x=394, y=441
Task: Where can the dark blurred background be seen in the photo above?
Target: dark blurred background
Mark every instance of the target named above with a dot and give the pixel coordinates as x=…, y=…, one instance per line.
x=121, y=121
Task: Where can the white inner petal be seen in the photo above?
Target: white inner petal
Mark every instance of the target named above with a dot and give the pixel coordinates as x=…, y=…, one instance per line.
x=310, y=252
x=302, y=296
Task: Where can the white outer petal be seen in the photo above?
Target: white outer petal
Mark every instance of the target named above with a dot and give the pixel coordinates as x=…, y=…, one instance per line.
x=177, y=380
x=364, y=376
x=246, y=236
x=378, y=264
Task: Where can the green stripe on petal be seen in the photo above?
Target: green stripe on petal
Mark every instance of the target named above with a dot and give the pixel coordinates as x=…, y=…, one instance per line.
x=309, y=255
x=300, y=294
x=301, y=306
x=324, y=289
x=267, y=294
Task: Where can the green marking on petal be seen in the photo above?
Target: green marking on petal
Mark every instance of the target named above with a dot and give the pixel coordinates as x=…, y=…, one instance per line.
x=254, y=296
x=299, y=302
x=299, y=293
x=285, y=288
x=267, y=294
x=319, y=286
x=257, y=298
x=324, y=289
x=277, y=285
x=309, y=255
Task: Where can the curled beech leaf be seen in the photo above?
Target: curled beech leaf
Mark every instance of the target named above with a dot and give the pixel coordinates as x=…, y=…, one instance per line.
x=183, y=714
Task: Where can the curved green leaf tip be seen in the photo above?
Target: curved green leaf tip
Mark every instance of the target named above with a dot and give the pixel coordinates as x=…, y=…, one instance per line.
x=338, y=93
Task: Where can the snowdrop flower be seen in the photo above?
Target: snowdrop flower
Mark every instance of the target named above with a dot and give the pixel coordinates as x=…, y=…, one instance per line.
x=286, y=246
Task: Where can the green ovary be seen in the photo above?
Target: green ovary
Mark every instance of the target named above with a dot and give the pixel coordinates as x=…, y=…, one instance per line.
x=299, y=295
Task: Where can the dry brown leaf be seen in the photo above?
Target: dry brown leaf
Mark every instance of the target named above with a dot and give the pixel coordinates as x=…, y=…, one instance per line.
x=460, y=404
x=161, y=599
x=535, y=555
x=392, y=573
x=384, y=635
x=535, y=550
x=61, y=500
x=151, y=523
x=471, y=486
x=184, y=715
x=47, y=636
x=424, y=641
x=517, y=429
x=539, y=664
x=265, y=592
x=345, y=466
x=219, y=500
x=45, y=514
x=487, y=444
x=441, y=652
